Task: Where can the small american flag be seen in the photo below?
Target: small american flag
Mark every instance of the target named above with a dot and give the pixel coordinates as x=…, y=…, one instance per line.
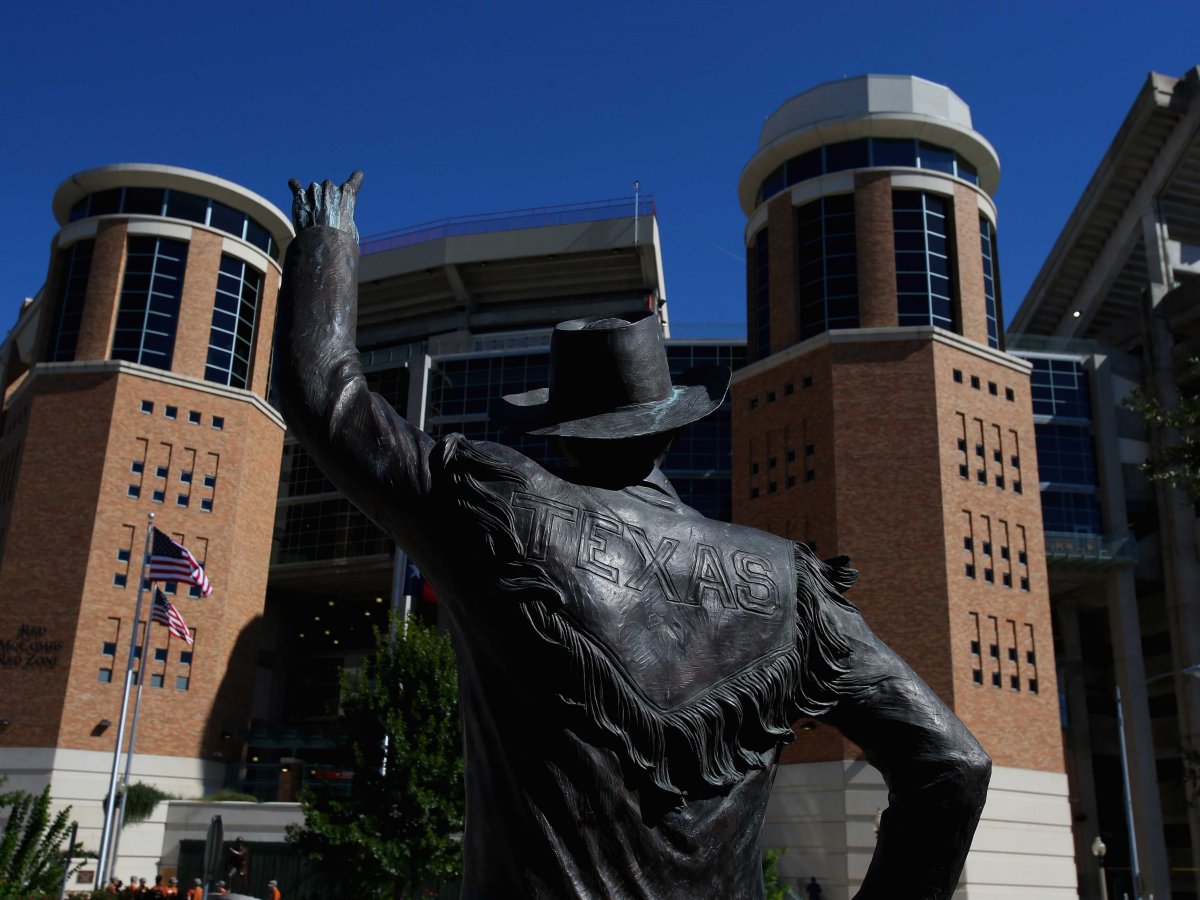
x=170, y=561
x=164, y=613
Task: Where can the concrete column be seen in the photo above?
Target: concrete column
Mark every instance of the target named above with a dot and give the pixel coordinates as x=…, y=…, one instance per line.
x=1126, y=633
x=1177, y=519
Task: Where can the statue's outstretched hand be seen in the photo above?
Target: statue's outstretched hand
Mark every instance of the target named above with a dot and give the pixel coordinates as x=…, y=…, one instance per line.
x=326, y=204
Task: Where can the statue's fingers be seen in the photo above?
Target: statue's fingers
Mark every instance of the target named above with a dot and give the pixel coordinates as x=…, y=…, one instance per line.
x=295, y=186
x=354, y=182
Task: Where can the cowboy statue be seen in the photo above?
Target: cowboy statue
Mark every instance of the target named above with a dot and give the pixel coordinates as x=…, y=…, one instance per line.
x=629, y=670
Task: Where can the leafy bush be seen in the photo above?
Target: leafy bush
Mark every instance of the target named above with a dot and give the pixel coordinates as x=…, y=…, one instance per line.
x=141, y=800
x=32, y=861
x=226, y=795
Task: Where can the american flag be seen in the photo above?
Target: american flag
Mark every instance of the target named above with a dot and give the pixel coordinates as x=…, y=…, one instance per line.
x=164, y=613
x=170, y=561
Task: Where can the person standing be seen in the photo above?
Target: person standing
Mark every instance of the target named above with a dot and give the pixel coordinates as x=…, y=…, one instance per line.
x=813, y=889
x=196, y=891
x=273, y=892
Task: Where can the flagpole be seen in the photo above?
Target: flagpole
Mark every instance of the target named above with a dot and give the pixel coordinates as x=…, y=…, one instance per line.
x=105, y=862
x=137, y=706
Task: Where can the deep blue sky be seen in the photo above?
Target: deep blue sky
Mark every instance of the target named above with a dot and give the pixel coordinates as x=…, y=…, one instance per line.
x=464, y=107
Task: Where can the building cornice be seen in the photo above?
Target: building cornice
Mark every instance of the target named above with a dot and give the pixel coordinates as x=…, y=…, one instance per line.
x=849, y=336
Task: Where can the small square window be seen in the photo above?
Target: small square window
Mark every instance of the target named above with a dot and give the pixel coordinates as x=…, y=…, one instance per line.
x=807, y=382
x=810, y=474
x=185, y=657
x=996, y=455
x=1014, y=682
x=979, y=450
x=137, y=467
x=789, y=389
x=968, y=543
x=975, y=382
x=1012, y=654
x=1016, y=487
x=160, y=654
x=156, y=681
x=1022, y=558
x=137, y=652
x=981, y=476
x=987, y=548
x=1006, y=579
x=134, y=491
x=193, y=417
x=989, y=576
x=181, y=499
x=1009, y=395
x=791, y=481
x=770, y=396
x=170, y=587
x=977, y=676
x=975, y=648
x=772, y=487
x=963, y=472
x=193, y=591
x=160, y=472
x=181, y=682
x=753, y=492
x=1029, y=657
x=992, y=388
x=206, y=504
x=218, y=422
x=958, y=376
x=962, y=444
x=754, y=468
x=1033, y=686
x=119, y=580
x=810, y=449
x=158, y=496
x=754, y=403
x=994, y=651
x=770, y=462
x=147, y=406
x=1000, y=481
x=105, y=676
x=791, y=455
x=108, y=648
x=171, y=412
x=995, y=679
x=1004, y=552
x=185, y=477
x=123, y=555
x=1016, y=462
x=970, y=569
x=1025, y=584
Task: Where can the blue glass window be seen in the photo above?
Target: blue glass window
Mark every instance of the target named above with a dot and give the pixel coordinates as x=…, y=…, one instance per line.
x=828, y=265
x=762, y=295
x=923, y=283
x=937, y=158
x=1059, y=388
x=1071, y=511
x=77, y=266
x=991, y=287
x=182, y=205
x=893, y=152
x=149, y=306
x=1066, y=454
x=847, y=155
x=235, y=312
x=803, y=167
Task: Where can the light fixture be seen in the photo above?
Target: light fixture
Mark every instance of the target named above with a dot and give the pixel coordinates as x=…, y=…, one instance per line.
x=327, y=631
x=302, y=634
x=378, y=599
x=1076, y=314
x=316, y=618
x=283, y=769
x=810, y=725
x=103, y=723
x=331, y=603
x=5, y=722
x=366, y=612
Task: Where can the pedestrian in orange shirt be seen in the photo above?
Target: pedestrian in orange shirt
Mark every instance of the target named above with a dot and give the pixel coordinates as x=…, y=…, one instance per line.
x=273, y=892
x=196, y=891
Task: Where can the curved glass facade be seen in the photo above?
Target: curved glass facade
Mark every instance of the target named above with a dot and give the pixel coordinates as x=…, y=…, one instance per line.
x=235, y=312
x=176, y=204
x=1066, y=450
x=149, y=309
x=828, y=265
x=924, y=286
x=865, y=153
x=991, y=281
x=76, y=267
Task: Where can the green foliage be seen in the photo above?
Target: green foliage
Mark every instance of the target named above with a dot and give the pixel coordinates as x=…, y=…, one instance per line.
x=400, y=831
x=32, y=861
x=225, y=795
x=774, y=888
x=1178, y=462
x=141, y=800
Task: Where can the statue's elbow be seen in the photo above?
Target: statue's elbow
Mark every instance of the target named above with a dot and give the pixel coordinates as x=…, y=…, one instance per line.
x=968, y=772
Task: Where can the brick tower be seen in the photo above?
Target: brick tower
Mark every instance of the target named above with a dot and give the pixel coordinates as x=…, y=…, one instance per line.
x=881, y=418
x=135, y=382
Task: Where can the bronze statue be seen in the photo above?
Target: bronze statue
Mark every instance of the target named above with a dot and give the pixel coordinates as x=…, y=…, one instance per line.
x=629, y=670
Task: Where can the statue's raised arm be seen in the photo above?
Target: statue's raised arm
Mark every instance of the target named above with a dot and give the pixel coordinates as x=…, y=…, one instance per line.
x=375, y=457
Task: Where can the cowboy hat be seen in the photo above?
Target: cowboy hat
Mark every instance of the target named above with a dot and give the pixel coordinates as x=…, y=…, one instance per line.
x=609, y=379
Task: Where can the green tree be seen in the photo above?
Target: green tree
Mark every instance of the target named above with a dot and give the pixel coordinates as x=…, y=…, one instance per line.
x=1178, y=461
x=774, y=889
x=400, y=827
x=32, y=860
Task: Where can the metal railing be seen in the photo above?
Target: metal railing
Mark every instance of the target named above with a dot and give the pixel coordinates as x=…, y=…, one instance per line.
x=510, y=220
x=1064, y=546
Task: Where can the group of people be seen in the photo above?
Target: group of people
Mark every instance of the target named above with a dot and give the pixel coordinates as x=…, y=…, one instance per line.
x=161, y=891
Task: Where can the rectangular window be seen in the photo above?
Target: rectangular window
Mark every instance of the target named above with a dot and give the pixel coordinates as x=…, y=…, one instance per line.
x=924, y=283
x=975, y=382
x=147, y=406
x=105, y=676
x=827, y=287
x=134, y=491
x=158, y=496
x=119, y=580
x=137, y=467
x=171, y=412
x=68, y=314
x=235, y=314
x=992, y=388
x=108, y=648
x=185, y=476
x=160, y=471
x=181, y=682
x=193, y=417
x=156, y=681
x=210, y=481
x=1009, y=395
x=160, y=654
x=991, y=288
x=810, y=474
x=148, y=311
x=218, y=422
x=181, y=500
x=958, y=376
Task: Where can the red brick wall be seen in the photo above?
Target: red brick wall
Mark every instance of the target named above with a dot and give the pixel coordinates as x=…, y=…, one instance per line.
x=969, y=264
x=781, y=222
x=103, y=291
x=876, y=246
